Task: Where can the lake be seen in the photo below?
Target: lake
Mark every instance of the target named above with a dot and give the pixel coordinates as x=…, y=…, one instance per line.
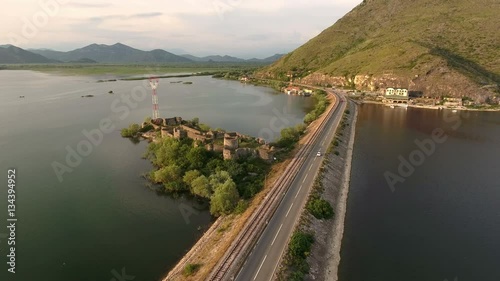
x=436, y=219
x=98, y=218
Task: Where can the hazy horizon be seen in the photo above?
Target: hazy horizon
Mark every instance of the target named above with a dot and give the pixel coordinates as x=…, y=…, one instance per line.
x=244, y=29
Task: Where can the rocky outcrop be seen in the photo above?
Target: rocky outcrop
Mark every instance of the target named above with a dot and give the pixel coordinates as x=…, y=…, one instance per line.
x=436, y=82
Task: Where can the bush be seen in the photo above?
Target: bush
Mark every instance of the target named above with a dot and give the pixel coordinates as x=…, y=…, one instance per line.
x=204, y=127
x=190, y=269
x=146, y=128
x=300, y=244
x=241, y=207
x=131, y=131
x=290, y=136
x=320, y=107
x=298, y=250
x=320, y=208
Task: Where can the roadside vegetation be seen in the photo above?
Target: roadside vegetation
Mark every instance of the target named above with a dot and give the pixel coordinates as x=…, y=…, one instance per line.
x=190, y=269
x=295, y=258
x=299, y=246
x=320, y=106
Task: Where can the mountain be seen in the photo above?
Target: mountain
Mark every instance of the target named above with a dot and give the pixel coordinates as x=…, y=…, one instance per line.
x=117, y=53
x=214, y=58
x=84, y=60
x=51, y=54
x=120, y=53
x=226, y=58
x=164, y=56
x=13, y=54
x=436, y=47
x=272, y=58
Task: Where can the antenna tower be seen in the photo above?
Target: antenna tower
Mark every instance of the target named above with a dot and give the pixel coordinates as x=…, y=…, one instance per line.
x=153, y=82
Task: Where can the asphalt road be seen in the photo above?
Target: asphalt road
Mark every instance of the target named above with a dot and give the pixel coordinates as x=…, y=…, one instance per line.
x=263, y=260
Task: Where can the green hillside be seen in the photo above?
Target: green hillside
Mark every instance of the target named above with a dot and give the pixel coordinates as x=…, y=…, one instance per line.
x=401, y=38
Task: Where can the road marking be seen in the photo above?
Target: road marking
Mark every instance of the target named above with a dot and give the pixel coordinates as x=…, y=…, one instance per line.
x=310, y=167
x=260, y=267
x=277, y=234
x=298, y=191
x=304, y=179
x=288, y=210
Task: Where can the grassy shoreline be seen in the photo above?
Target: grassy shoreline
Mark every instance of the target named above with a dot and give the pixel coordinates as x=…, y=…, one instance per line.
x=130, y=69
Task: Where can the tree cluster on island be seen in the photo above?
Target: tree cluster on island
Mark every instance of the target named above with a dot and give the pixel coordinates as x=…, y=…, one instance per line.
x=184, y=165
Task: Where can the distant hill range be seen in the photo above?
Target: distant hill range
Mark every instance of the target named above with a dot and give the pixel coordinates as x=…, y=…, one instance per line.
x=433, y=47
x=117, y=53
x=13, y=54
x=232, y=59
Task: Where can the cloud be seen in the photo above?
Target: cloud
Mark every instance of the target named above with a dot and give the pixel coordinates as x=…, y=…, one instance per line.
x=88, y=5
x=248, y=28
x=125, y=17
x=146, y=15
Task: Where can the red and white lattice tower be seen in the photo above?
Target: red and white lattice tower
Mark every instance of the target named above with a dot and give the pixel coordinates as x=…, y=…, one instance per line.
x=153, y=82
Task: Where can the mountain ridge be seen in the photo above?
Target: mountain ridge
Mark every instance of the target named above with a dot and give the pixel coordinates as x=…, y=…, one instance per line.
x=13, y=54
x=437, y=47
x=116, y=53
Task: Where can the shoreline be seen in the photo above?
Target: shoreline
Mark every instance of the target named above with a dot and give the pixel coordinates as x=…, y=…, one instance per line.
x=433, y=107
x=331, y=268
x=324, y=258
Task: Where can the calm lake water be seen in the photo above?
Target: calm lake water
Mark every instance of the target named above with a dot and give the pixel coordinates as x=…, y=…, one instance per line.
x=102, y=219
x=443, y=221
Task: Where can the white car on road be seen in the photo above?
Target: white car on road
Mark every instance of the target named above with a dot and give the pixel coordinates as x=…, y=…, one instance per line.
x=318, y=154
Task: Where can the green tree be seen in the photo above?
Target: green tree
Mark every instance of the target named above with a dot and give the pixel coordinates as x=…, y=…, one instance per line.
x=167, y=152
x=168, y=174
x=290, y=136
x=201, y=187
x=204, y=127
x=131, y=131
x=225, y=199
x=219, y=178
x=190, y=176
x=234, y=169
x=197, y=157
x=214, y=165
x=195, y=121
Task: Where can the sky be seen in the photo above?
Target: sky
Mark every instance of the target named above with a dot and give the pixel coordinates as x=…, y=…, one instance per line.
x=242, y=28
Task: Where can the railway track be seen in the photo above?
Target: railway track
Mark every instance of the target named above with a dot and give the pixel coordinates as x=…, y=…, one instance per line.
x=257, y=222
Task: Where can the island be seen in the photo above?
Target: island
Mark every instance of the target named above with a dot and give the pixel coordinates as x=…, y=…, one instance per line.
x=224, y=168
